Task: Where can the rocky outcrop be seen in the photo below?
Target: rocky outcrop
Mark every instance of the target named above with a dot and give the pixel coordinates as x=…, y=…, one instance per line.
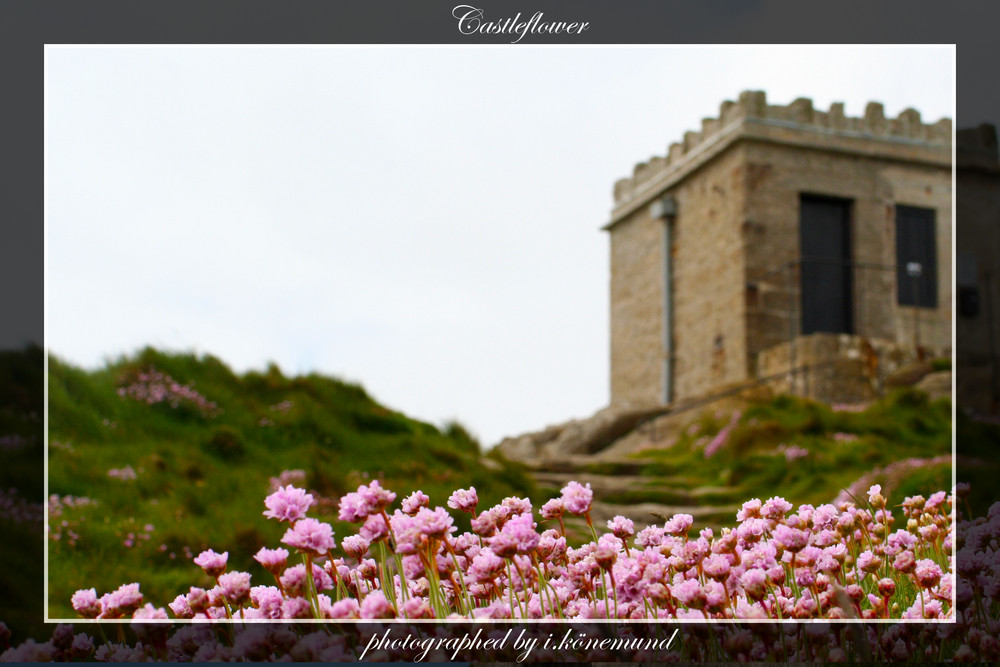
x=576, y=437
x=909, y=374
x=936, y=385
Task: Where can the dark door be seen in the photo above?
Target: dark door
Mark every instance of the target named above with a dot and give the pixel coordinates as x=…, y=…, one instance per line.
x=825, y=246
x=916, y=257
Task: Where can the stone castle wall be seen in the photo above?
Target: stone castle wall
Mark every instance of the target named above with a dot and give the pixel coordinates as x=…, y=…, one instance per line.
x=778, y=177
x=907, y=129
x=737, y=185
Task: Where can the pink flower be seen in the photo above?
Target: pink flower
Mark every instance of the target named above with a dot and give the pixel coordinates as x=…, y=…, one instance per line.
x=464, y=500
x=577, y=498
x=690, y=593
x=235, y=586
x=273, y=560
x=679, y=524
x=197, y=599
x=553, y=509
x=650, y=537
x=775, y=508
x=485, y=567
x=86, y=604
x=410, y=539
x=516, y=505
x=936, y=500
x=376, y=606
x=754, y=584
x=288, y=504
x=214, y=564
x=791, y=539
x=295, y=582
x=606, y=552
x=310, y=536
x=485, y=524
x=417, y=608
x=180, y=607
x=722, y=436
x=148, y=611
x=521, y=530
x=869, y=562
x=355, y=545
x=716, y=566
x=368, y=500
x=750, y=509
x=413, y=502
x=905, y=561
x=268, y=600
x=503, y=545
x=347, y=608
x=296, y=608
x=436, y=523
x=121, y=602
x=374, y=528
x=927, y=573
x=621, y=527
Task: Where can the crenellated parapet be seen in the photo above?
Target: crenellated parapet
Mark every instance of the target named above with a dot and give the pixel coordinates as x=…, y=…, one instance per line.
x=752, y=109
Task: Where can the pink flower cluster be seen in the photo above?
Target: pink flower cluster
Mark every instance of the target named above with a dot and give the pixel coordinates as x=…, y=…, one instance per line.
x=122, y=603
x=722, y=437
x=133, y=538
x=793, y=452
x=125, y=474
x=152, y=387
x=64, y=520
x=59, y=504
x=777, y=562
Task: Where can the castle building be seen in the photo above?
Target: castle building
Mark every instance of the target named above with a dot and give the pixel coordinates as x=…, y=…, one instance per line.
x=784, y=243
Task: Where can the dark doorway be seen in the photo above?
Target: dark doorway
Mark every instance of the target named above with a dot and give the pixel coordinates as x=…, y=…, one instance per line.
x=916, y=257
x=825, y=246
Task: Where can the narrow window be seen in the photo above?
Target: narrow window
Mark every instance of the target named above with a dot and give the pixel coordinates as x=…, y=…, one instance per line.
x=916, y=257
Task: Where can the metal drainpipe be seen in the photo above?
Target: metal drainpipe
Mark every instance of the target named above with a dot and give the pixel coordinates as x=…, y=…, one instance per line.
x=667, y=306
x=666, y=209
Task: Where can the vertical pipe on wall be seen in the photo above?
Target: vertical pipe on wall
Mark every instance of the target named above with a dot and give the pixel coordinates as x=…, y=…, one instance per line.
x=665, y=209
x=667, y=307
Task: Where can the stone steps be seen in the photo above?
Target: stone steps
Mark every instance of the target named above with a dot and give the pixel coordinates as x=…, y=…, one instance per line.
x=667, y=495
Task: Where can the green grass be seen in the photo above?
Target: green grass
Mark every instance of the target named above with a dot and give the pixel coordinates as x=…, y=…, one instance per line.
x=903, y=425
x=201, y=479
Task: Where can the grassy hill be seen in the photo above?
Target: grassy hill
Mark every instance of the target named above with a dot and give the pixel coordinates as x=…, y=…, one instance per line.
x=176, y=452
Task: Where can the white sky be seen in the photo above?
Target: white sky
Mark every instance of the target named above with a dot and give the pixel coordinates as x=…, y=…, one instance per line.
x=424, y=221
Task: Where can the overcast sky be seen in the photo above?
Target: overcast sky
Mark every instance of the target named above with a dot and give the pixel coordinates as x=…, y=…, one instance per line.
x=424, y=221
